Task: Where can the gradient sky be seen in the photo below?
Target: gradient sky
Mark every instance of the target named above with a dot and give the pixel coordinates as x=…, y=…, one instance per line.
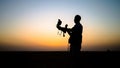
x=32, y=23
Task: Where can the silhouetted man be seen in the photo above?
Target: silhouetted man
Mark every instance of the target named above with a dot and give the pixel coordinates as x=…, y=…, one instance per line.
x=75, y=33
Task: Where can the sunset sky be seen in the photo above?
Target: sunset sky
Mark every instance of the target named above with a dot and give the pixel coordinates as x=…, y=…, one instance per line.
x=32, y=23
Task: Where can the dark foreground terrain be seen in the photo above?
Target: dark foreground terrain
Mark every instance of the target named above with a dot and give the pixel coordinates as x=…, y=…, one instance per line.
x=59, y=59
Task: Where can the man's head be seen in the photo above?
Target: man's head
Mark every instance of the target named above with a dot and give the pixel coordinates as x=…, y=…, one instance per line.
x=77, y=18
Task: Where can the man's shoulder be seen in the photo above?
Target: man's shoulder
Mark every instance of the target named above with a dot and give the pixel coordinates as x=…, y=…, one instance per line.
x=78, y=25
